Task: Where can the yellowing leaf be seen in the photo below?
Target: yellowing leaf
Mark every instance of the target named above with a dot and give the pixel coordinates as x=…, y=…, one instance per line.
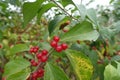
x=81, y=65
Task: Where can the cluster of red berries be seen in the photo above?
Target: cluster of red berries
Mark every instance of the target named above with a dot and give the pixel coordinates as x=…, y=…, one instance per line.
x=58, y=47
x=37, y=74
x=42, y=57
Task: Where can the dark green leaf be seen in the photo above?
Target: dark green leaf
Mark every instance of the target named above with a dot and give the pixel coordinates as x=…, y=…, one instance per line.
x=81, y=64
x=30, y=9
x=54, y=23
x=15, y=66
x=22, y=75
x=82, y=31
x=53, y=72
x=44, y=8
x=18, y=48
x=66, y=2
x=1, y=35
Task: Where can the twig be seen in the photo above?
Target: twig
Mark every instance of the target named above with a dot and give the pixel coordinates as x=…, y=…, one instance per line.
x=64, y=10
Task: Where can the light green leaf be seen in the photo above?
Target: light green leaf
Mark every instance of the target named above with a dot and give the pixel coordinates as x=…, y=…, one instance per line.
x=30, y=9
x=15, y=66
x=53, y=72
x=82, y=31
x=91, y=13
x=82, y=10
x=116, y=27
x=111, y=73
x=22, y=75
x=18, y=48
x=45, y=8
x=81, y=64
x=54, y=23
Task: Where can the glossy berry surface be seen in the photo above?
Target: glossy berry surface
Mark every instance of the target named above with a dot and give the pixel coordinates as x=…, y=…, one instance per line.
x=40, y=72
x=53, y=44
x=44, y=52
x=64, y=46
x=34, y=49
x=56, y=38
x=34, y=75
x=33, y=63
x=58, y=48
x=39, y=55
x=43, y=58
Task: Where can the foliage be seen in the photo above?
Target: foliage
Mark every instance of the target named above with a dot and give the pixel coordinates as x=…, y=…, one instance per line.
x=68, y=46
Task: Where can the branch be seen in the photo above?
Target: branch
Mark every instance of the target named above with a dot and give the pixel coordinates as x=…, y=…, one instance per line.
x=64, y=10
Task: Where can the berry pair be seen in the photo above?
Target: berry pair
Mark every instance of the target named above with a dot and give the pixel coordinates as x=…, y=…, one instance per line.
x=42, y=56
x=56, y=46
x=34, y=49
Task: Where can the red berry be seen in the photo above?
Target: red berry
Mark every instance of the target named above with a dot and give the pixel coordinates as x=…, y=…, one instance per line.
x=31, y=50
x=0, y=46
x=36, y=47
x=64, y=30
x=53, y=44
x=34, y=75
x=35, y=50
x=39, y=55
x=58, y=48
x=3, y=78
x=41, y=75
x=33, y=63
x=56, y=38
x=41, y=71
x=44, y=52
x=94, y=48
x=44, y=58
x=64, y=46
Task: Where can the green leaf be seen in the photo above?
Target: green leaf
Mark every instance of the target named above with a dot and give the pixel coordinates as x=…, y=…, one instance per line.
x=116, y=27
x=44, y=8
x=111, y=73
x=18, y=48
x=81, y=64
x=66, y=2
x=106, y=33
x=22, y=75
x=1, y=35
x=115, y=58
x=82, y=31
x=82, y=10
x=54, y=23
x=30, y=9
x=91, y=13
x=53, y=72
x=15, y=66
